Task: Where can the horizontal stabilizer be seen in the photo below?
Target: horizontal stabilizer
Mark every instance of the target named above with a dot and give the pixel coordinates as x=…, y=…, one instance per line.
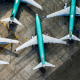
x=43, y=65
x=15, y=20
x=7, y=19
x=38, y=66
x=65, y=37
x=3, y=62
x=73, y=38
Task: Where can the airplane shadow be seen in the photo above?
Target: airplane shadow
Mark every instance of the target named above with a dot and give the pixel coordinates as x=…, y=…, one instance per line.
x=28, y=55
x=13, y=26
x=8, y=52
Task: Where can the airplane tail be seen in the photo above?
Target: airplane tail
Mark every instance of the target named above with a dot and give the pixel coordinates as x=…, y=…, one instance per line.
x=68, y=37
x=43, y=65
x=15, y=20
x=3, y=62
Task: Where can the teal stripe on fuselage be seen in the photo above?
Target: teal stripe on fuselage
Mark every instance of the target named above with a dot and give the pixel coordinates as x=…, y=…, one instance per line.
x=72, y=17
x=40, y=39
x=15, y=8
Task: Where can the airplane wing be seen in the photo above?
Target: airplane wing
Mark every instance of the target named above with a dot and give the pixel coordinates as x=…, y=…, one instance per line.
x=32, y=2
x=77, y=11
x=48, y=39
x=62, y=12
x=32, y=41
x=5, y=40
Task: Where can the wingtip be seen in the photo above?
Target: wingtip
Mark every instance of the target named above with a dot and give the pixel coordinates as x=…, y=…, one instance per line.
x=65, y=42
x=21, y=24
x=34, y=68
x=41, y=8
x=7, y=62
x=54, y=66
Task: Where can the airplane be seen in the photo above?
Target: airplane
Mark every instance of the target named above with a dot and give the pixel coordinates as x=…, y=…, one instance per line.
x=12, y=19
x=40, y=39
x=71, y=11
x=6, y=41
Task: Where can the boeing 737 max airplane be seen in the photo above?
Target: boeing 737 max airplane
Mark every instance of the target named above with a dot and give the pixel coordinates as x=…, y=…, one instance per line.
x=71, y=11
x=12, y=19
x=40, y=39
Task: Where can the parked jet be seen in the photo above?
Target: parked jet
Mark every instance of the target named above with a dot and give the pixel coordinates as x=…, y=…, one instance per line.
x=12, y=19
x=6, y=41
x=71, y=11
x=40, y=39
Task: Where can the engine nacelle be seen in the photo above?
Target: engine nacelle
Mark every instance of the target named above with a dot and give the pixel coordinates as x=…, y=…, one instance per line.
x=65, y=5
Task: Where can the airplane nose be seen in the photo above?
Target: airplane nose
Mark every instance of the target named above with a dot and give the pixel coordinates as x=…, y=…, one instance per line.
x=36, y=14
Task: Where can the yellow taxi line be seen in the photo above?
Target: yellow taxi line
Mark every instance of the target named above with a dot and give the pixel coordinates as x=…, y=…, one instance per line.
x=10, y=32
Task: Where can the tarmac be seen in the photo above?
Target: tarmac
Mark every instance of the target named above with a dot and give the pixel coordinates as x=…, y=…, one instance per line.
x=65, y=57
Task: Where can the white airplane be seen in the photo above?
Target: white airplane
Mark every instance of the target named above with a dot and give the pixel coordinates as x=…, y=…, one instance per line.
x=12, y=19
x=40, y=39
x=71, y=11
x=6, y=41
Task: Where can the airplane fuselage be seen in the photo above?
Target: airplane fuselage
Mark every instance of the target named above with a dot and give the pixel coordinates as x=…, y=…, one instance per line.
x=15, y=8
x=40, y=39
x=72, y=17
